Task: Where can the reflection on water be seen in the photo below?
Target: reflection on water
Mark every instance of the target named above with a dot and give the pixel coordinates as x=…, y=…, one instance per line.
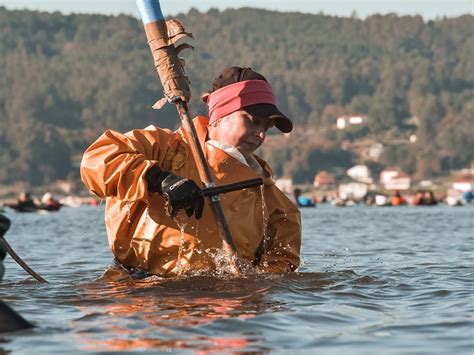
x=371, y=280
x=153, y=313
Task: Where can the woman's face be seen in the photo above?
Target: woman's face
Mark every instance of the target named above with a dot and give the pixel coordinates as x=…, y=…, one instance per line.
x=241, y=130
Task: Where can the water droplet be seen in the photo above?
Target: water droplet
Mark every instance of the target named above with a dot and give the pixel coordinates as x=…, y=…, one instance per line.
x=127, y=206
x=181, y=221
x=265, y=219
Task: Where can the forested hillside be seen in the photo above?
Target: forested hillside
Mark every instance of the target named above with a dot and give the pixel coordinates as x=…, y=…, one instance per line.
x=65, y=79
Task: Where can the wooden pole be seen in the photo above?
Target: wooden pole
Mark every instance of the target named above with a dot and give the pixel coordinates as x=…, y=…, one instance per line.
x=205, y=175
x=170, y=69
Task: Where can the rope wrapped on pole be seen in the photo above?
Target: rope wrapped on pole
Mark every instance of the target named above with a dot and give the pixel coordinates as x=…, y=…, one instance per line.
x=162, y=36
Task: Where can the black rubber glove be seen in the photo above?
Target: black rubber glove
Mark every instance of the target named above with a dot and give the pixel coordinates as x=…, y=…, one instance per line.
x=181, y=193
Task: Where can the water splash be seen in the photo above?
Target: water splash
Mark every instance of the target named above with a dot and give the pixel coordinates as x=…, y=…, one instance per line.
x=264, y=218
x=225, y=265
x=179, y=263
x=181, y=220
x=144, y=225
x=147, y=212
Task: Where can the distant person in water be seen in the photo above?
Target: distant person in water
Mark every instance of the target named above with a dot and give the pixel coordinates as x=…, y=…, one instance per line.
x=397, y=199
x=48, y=202
x=467, y=197
x=302, y=201
x=144, y=173
x=25, y=202
x=418, y=199
x=429, y=199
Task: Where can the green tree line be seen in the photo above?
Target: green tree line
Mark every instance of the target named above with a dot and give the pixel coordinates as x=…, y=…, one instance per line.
x=66, y=79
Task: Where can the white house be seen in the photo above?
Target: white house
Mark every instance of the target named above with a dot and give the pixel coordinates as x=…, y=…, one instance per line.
x=352, y=190
x=323, y=179
x=393, y=179
x=344, y=121
x=285, y=184
x=360, y=173
x=462, y=185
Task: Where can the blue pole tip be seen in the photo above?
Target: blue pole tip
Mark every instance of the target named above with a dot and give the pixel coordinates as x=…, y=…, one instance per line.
x=150, y=10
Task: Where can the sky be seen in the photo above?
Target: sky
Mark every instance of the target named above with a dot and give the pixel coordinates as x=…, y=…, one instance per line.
x=363, y=8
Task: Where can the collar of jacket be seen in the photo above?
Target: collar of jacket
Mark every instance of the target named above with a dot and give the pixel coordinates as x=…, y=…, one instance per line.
x=201, y=122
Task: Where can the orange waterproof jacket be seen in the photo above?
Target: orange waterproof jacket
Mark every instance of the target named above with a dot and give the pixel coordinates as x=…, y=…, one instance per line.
x=267, y=232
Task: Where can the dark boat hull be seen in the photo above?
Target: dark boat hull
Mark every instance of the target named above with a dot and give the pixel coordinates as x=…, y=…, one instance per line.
x=28, y=209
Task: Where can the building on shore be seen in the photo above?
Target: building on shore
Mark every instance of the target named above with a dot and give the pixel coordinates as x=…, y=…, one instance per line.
x=324, y=180
x=394, y=179
x=345, y=121
x=360, y=173
x=285, y=184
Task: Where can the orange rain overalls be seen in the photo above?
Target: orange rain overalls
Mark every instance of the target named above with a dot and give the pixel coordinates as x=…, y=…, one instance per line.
x=141, y=234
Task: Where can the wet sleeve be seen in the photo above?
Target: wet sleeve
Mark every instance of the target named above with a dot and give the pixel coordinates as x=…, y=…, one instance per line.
x=282, y=252
x=115, y=165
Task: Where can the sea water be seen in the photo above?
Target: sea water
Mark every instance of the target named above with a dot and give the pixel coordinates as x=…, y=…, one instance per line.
x=393, y=280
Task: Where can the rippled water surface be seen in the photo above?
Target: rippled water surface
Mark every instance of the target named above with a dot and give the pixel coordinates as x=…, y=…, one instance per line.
x=397, y=280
